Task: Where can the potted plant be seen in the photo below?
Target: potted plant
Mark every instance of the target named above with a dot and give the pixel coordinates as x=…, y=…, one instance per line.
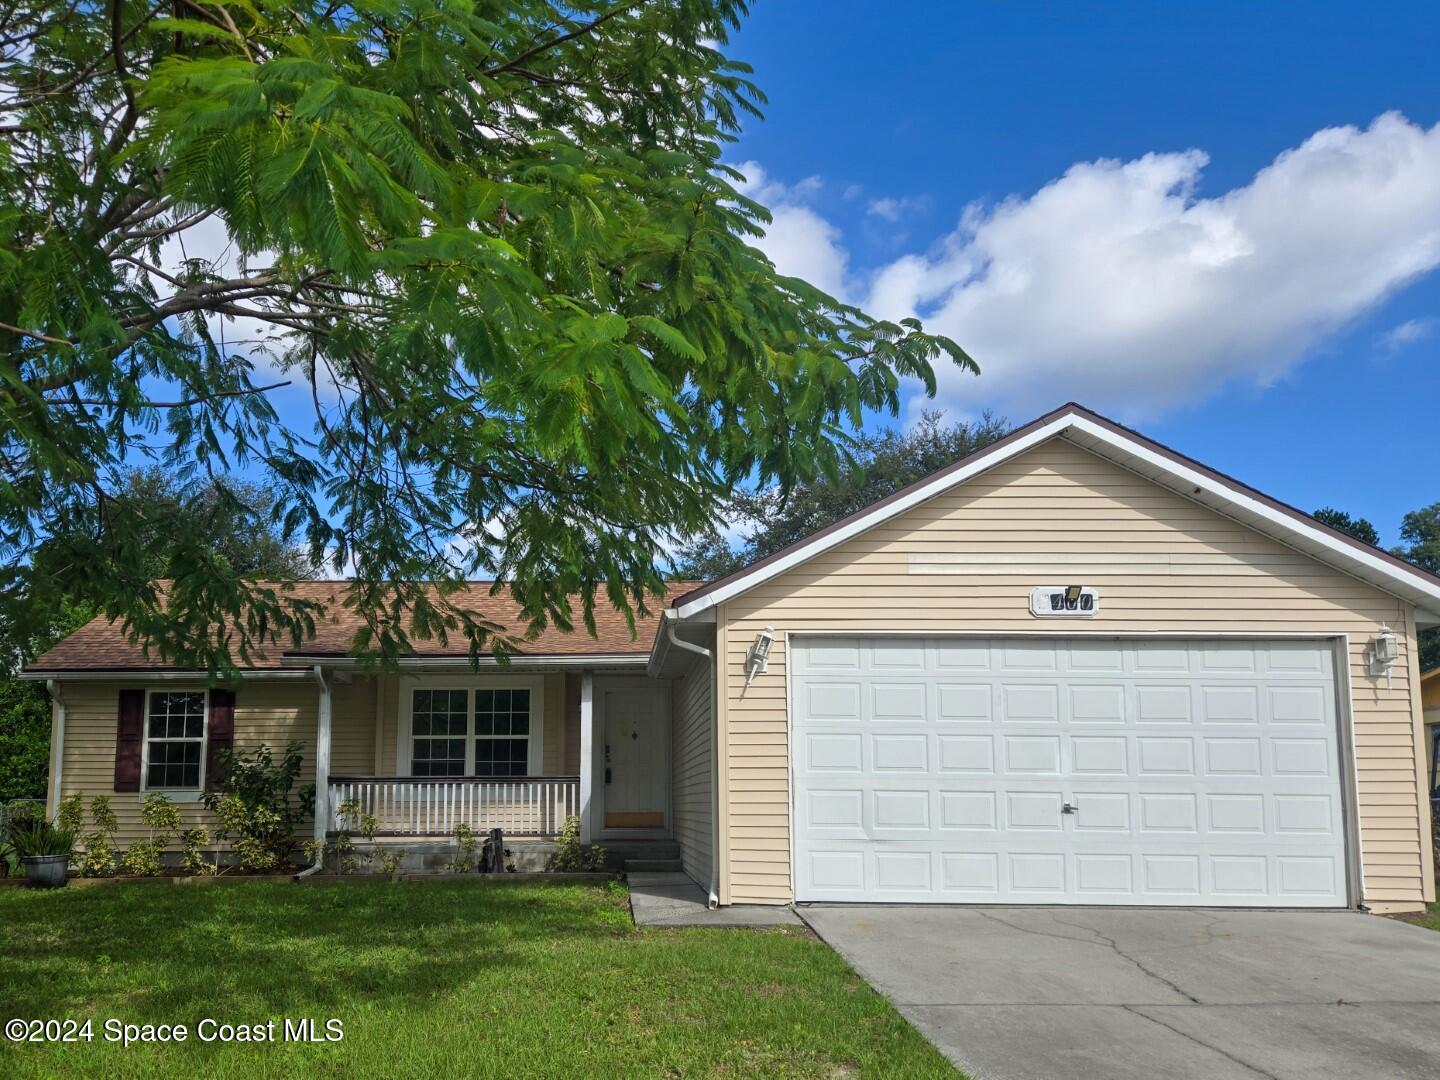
x=45, y=852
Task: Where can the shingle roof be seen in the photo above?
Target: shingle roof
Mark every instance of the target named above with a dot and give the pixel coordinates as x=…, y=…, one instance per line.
x=102, y=645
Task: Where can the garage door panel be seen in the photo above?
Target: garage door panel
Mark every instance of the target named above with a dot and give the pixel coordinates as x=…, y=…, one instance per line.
x=1017, y=771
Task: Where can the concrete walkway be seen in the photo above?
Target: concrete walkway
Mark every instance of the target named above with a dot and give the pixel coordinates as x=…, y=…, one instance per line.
x=1127, y=994
x=675, y=900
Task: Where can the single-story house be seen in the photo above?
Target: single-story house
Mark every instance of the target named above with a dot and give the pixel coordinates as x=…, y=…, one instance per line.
x=1075, y=667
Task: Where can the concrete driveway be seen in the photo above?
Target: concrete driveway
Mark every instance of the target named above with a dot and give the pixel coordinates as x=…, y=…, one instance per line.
x=1074, y=993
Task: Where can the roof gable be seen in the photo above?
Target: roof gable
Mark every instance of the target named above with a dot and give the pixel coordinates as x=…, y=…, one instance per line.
x=1127, y=449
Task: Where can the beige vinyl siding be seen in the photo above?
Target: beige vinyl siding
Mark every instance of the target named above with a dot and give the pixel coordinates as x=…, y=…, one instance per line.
x=1060, y=499
x=690, y=759
x=571, y=763
x=352, y=727
x=266, y=714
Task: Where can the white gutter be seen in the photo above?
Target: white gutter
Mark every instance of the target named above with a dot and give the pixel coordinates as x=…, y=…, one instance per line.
x=322, y=772
x=149, y=674
x=57, y=746
x=517, y=663
x=714, y=898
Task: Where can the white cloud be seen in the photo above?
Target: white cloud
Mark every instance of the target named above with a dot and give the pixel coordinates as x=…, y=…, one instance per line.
x=798, y=240
x=1407, y=333
x=1118, y=285
x=892, y=208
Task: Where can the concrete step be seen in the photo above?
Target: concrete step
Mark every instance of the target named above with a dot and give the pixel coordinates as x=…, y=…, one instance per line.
x=652, y=866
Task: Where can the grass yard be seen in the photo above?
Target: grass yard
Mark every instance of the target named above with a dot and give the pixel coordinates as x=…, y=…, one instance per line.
x=447, y=977
x=1430, y=920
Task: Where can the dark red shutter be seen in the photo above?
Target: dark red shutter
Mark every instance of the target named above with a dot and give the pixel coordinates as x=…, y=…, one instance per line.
x=129, y=731
x=221, y=734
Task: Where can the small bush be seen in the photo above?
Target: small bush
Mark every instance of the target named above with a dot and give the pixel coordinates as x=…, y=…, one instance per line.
x=193, y=843
x=257, y=806
x=573, y=856
x=467, y=848
x=143, y=858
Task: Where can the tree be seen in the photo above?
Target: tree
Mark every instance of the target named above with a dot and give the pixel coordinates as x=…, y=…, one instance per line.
x=1420, y=543
x=771, y=517
x=494, y=243
x=43, y=602
x=1359, y=528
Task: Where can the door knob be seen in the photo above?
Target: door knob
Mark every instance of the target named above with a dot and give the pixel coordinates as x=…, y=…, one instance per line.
x=1069, y=808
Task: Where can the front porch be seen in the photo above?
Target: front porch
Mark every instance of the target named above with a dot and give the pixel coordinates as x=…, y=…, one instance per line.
x=426, y=751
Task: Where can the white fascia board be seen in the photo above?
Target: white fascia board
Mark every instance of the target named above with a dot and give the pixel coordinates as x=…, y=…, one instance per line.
x=153, y=674
x=575, y=662
x=1256, y=514
x=866, y=521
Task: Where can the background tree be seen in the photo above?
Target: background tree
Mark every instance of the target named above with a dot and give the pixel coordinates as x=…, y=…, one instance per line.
x=771, y=517
x=495, y=245
x=1420, y=543
x=1357, y=527
x=43, y=602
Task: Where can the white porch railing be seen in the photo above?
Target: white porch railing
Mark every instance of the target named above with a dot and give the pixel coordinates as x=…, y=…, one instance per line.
x=434, y=806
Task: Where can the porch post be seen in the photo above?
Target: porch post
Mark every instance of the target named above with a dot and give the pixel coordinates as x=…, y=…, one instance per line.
x=587, y=751
x=322, y=758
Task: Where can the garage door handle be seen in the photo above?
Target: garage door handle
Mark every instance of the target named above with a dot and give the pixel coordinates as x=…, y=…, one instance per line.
x=1069, y=808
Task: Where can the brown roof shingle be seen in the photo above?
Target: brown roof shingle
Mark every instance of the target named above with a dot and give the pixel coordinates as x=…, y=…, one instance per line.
x=102, y=645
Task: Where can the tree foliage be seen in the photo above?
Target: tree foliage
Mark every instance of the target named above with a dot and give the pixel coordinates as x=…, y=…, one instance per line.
x=57, y=592
x=494, y=244
x=1420, y=543
x=1357, y=527
x=771, y=517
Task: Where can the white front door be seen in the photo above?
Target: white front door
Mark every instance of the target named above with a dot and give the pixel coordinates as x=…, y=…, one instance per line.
x=1067, y=771
x=635, y=756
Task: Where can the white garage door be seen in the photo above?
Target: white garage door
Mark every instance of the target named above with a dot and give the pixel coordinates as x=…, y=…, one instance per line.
x=1054, y=771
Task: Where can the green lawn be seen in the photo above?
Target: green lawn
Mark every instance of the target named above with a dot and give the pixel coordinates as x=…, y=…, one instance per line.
x=1430, y=920
x=469, y=978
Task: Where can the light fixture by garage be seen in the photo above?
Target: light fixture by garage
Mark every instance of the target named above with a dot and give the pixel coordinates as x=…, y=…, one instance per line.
x=757, y=656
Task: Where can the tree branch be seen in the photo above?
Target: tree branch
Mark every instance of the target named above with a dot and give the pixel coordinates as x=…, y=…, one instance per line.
x=546, y=46
x=184, y=403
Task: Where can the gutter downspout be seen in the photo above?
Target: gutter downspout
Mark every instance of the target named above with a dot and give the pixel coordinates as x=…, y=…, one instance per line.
x=322, y=772
x=57, y=745
x=714, y=898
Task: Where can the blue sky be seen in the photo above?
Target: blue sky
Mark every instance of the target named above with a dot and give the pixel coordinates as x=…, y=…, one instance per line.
x=1258, y=315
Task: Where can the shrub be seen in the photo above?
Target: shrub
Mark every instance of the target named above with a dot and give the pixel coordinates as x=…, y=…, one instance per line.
x=390, y=860
x=467, y=847
x=257, y=806
x=573, y=856
x=193, y=842
x=162, y=818
x=143, y=859
x=98, y=857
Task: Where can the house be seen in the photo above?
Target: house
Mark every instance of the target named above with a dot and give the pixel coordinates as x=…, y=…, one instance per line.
x=1074, y=667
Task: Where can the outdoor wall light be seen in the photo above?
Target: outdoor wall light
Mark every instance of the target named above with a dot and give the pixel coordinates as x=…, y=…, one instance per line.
x=1384, y=652
x=757, y=657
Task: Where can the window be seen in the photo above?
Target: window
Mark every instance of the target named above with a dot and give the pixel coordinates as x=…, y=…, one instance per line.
x=438, y=721
x=482, y=731
x=174, y=739
x=502, y=732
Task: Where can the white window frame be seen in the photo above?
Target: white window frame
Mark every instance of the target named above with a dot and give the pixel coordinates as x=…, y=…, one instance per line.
x=404, y=732
x=174, y=794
